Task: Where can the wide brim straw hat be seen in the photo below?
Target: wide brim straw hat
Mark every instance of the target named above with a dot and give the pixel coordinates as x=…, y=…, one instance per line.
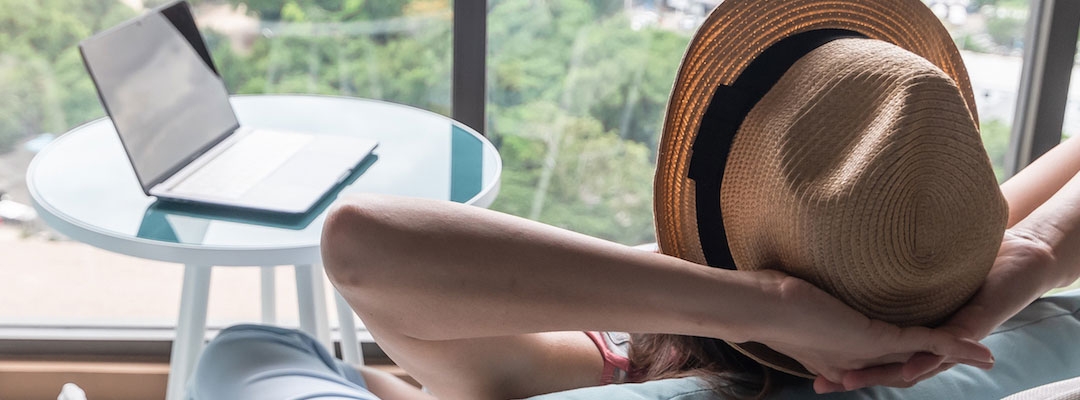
x=834, y=140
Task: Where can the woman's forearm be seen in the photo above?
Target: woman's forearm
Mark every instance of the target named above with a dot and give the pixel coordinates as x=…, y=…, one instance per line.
x=442, y=271
x=1036, y=183
x=1056, y=225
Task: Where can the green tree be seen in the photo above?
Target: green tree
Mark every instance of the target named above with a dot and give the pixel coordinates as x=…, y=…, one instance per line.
x=43, y=83
x=576, y=97
x=995, y=136
x=577, y=100
x=598, y=184
x=625, y=76
x=1006, y=31
x=325, y=10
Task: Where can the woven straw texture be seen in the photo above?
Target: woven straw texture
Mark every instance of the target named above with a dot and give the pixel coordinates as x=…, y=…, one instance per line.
x=860, y=171
x=728, y=40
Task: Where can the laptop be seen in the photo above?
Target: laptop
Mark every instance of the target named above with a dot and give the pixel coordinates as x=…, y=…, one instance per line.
x=171, y=109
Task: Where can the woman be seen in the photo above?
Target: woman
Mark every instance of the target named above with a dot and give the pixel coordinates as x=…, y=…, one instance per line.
x=476, y=304
x=481, y=348
x=454, y=350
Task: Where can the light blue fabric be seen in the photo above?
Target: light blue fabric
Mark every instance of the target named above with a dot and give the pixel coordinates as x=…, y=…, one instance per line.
x=1036, y=347
x=266, y=362
x=668, y=389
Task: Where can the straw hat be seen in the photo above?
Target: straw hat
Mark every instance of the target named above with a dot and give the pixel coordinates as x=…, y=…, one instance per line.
x=834, y=140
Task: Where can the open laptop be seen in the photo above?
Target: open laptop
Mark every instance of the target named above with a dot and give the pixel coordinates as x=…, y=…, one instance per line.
x=171, y=109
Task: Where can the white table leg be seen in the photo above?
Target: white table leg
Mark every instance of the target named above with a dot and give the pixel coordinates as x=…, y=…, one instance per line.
x=269, y=302
x=350, y=345
x=311, y=298
x=190, y=329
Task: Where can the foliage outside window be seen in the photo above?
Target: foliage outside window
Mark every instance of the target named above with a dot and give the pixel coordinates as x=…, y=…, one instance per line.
x=576, y=92
x=990, y=34
x=576, y=88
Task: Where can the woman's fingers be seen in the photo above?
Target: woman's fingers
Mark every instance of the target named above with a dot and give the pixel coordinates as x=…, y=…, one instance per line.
x=894, y=375
x=882, y=375
x=822, y=385
x=945, y=344
x=920, y=367
x=931, y=351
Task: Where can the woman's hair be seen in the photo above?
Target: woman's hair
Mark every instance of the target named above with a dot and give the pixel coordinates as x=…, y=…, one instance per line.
x=725, y=370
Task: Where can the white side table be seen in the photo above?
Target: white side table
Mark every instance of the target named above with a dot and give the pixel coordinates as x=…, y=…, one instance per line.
x=83, y=186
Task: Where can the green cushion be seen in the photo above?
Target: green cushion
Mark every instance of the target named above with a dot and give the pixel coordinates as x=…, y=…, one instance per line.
x=1036, y=347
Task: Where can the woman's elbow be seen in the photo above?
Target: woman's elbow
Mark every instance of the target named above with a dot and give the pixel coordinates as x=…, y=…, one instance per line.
x=351, y=244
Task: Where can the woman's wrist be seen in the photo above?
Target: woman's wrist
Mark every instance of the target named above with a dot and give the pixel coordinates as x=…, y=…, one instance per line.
x=1052, y=231
x=760, y=320
x=735, y=306
x=1040, y=243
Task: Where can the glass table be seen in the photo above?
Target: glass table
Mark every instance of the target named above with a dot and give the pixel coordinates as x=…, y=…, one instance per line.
x=83, y=186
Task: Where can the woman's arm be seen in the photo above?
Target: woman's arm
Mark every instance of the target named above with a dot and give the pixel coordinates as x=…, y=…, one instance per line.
x=1035, y=184
x=389, y=387
x=425, y=274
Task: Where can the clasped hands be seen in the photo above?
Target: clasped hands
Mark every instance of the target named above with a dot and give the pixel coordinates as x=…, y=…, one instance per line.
x=849, y=351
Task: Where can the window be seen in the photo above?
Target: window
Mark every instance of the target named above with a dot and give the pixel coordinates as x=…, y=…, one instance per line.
x=577, y=91
x=576, y=97
x=990, y=36
x=393, y=50
x=1071, y=125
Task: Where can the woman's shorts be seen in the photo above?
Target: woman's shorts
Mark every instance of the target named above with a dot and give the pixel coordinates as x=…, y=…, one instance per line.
x=266, y=362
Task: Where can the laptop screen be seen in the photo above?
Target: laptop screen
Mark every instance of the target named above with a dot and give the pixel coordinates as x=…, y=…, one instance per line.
x=166, y=101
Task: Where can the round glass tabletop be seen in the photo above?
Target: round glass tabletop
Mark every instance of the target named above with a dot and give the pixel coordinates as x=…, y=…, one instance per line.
x=83, y=185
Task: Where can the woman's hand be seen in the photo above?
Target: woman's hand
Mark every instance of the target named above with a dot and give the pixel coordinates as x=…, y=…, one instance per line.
x=1023, y=271
x=830, y=338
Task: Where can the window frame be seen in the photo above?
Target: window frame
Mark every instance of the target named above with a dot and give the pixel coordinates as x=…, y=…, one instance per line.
x=1051, y=37
x=1049, y=56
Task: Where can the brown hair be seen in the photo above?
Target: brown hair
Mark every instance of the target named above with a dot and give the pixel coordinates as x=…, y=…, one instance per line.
x=727, y=372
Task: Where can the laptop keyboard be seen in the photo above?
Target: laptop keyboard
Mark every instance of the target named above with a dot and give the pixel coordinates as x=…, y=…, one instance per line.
x=244, y=164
